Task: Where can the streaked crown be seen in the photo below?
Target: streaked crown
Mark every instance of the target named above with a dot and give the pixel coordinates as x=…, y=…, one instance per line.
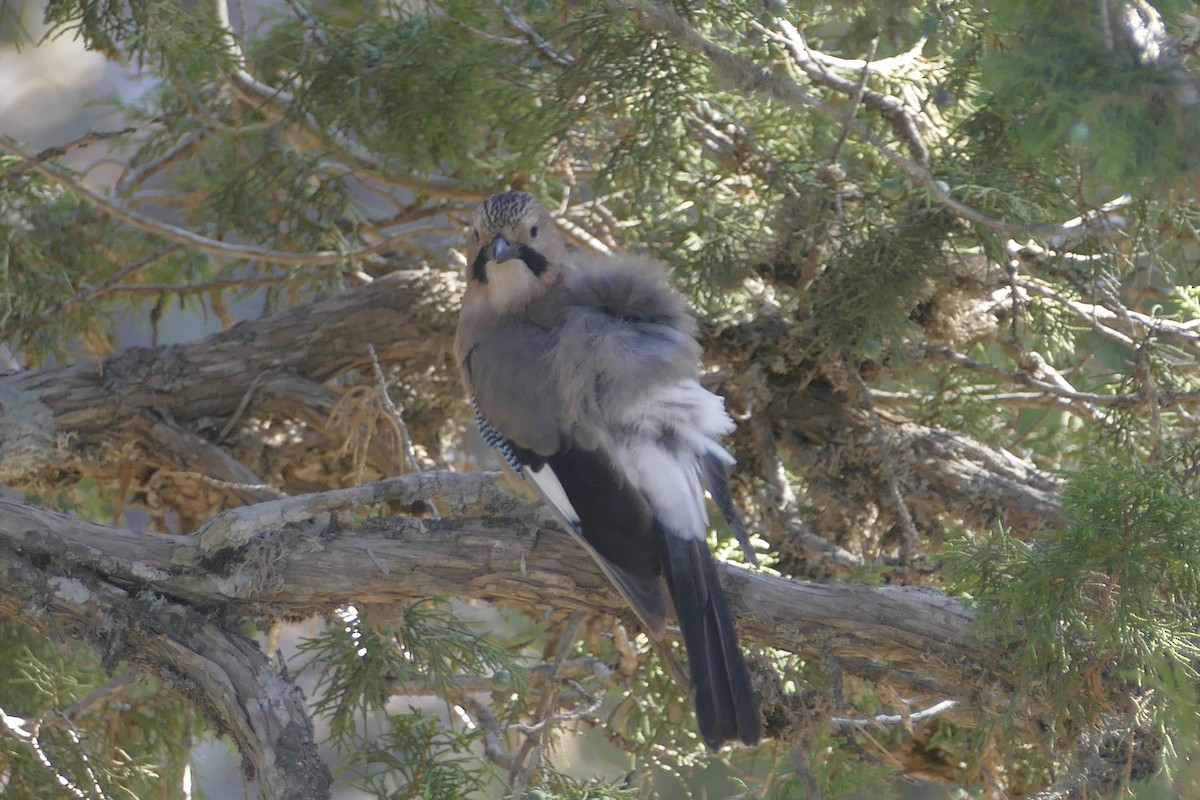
x=504, y=210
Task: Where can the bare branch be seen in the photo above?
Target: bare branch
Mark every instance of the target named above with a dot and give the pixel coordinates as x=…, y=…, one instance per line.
x=136, y=177
x=184, y=289
x=891, y=109
x=100, y=694
x=881, y=66
x=529, y=757
x=1126, y=400
x=182, y=236
x=540, y=673
x=34, y=161
x=230, y=678
x=235, y=528
x=920, y=639
x=544, y=47
x=934, y=710
x=394, y=414
x=493, y=749
x=16, y=726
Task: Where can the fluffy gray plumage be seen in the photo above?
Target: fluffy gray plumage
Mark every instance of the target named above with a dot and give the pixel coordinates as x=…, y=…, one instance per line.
x=623, y=332
x=587, y=367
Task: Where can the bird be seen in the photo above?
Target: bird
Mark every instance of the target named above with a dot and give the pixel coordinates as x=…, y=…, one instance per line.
x=583, y=373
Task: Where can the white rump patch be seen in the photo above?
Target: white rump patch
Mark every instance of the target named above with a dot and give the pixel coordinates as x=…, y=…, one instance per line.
x=660, y=447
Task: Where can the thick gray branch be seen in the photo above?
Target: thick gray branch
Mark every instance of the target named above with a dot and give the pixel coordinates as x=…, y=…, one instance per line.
x=208, y=377
x=920, y=639
x=133, y=411
x=941, y=472
x=129, y=421
x=226, y=674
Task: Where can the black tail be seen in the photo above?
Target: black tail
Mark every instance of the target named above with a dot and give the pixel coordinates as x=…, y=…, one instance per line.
x=726, y=706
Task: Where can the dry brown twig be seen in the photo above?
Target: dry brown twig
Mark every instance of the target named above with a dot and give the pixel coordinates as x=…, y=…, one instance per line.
x=529, y=755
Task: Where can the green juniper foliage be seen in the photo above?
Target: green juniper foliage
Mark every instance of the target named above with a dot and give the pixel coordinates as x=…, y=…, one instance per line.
x=892, y=223
x=1098, y=96
x=1098, y=614
x=416, y=751
x=131, y=740
x=360, y=660
x=1115, y=585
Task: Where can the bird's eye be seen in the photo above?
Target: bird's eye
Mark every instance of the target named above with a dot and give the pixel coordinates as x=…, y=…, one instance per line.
x=533, y=232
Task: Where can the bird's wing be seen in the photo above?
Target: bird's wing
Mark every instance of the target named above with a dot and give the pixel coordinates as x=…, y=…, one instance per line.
x=712, y=475
x=626, y=364
x=504, y=373
x=519, y=413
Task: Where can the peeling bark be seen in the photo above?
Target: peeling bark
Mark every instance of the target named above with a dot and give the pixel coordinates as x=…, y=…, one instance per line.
x=130, y=421
x=306, y=561
x=941, y=472
x=226, y=674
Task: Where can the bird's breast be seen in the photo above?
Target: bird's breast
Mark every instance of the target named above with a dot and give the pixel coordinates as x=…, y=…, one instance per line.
x=511, y=286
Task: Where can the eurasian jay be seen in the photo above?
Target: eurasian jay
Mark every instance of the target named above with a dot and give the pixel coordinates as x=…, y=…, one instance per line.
x=583, y=372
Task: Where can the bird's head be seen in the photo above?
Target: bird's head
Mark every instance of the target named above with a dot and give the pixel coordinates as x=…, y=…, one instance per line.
x=515, y=252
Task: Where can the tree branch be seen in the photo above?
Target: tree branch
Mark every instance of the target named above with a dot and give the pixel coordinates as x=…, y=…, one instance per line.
x=64, y=421
x=226, y=674
x=182, y=236
x=901, y=119
x=919, y=639
x=940, y=471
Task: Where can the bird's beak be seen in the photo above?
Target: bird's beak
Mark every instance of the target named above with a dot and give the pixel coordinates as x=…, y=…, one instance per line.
x=502, y=249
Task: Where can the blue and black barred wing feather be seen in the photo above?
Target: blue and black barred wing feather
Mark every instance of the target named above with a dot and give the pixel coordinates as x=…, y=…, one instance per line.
x=496, y=441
